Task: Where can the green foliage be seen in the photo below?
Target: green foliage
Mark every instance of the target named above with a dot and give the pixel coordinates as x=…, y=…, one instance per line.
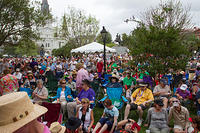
x=108, y=38
x=24, y=47
x=78, y=27
x=110, y=45
x=17, y=20
x=158, y=42
x=64, y=51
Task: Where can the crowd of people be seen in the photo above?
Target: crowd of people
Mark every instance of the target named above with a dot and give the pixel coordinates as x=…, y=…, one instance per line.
x=76, y=82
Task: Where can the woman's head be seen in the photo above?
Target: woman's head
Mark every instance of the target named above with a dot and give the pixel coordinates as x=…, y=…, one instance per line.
x=85, y=84
x=158, y=104
x=85, y=102
x=62, y=82
x=39, y=83
x=30, y=76
x=196, y=122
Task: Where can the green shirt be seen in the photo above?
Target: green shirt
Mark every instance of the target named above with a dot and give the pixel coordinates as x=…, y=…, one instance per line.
x=128, y=81
x=114, y=66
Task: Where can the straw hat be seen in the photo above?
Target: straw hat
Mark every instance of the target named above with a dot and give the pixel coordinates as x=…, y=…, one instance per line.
x=17, y=110
x=57, y=128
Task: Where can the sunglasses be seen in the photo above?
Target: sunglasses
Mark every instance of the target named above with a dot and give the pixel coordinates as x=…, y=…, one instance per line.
x=63, y=83
x=175, y=101
x=84, y=102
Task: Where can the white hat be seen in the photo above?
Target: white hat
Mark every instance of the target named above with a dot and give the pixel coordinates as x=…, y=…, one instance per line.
x=183, y=87
x=17, y=110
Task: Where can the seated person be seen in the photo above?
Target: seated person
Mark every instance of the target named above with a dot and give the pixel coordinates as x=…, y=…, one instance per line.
x=109, y=118
x=140, y=99
x=180, y=115
x=40, y=94
x=162, y=90
x=157, y=118
x=128, y=81
x=86, y=92
x=198, y=103
x=85, y=114
x=182, y=93
x=64, y=95
x=73, y=125
x=72, y=85
x=127, y=126
x=114, y=82
x=23, y=114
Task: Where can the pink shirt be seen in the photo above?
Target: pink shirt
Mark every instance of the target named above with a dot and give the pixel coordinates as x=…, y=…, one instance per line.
x=81, y=75
x=46, y=129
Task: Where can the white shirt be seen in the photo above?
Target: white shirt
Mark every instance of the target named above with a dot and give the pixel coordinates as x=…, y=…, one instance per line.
x=18, y=76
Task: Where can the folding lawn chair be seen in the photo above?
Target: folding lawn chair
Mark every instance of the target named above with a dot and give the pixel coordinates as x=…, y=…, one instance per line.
x=53, y=114
x=115, y=95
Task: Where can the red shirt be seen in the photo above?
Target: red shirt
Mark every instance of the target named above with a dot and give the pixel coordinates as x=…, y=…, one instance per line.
x=99, y=67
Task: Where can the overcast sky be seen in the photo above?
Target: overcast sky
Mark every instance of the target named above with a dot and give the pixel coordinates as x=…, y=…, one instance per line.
x=112, y=13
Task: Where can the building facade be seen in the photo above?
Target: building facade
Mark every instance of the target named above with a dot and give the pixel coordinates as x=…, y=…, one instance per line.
x=47, y=34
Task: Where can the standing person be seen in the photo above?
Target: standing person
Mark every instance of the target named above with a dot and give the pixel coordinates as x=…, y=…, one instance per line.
x=18, y=75
x=100, y=67
x=140, y=99
x=40, y=94
x=109, y=118
x=85, y=114
x=180, y=115
x=8, y=83
x=81, y=75
x=157, y=118
x=19, y=114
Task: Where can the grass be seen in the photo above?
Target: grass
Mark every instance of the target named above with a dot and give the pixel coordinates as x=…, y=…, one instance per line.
x=133, y=114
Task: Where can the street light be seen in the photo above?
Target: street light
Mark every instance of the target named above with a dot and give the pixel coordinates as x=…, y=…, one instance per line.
x=104, y=34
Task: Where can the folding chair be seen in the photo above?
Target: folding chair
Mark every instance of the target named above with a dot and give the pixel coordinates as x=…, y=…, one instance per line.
x=53, y=114
x=115, y=95
x=28, y=90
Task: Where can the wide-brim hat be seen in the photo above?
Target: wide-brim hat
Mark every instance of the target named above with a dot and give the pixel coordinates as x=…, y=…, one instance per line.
x=17, y=110
x=143, y=84
x=115, y=77
x=73, y=123
x=57, y=128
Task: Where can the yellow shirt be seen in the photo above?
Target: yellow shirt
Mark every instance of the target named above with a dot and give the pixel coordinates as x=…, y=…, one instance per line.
x=142, y=96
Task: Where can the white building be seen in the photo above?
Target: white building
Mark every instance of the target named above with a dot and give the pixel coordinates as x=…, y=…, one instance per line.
x=48, y=40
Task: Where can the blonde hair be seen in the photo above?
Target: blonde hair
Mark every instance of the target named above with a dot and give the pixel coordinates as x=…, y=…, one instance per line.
x=85, y=100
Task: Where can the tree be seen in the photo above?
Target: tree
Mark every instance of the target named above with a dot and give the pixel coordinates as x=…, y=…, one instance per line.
x=108, y=38
x=64, y=51
x=157, y=43
x=19, y=19
x=78, y=28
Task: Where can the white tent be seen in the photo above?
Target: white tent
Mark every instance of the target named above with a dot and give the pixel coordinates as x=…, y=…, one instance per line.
x=92, y=48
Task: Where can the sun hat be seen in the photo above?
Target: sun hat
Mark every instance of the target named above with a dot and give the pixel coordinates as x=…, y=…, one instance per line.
x=183, y=87
x=159, y=102
x=114, y=77
x=57, y=128
x=17, y=110
x=73, y=123
x=143, y=84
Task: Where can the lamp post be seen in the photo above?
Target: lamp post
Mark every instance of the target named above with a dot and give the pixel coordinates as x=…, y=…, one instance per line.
x=42, y=50
x=104, y=34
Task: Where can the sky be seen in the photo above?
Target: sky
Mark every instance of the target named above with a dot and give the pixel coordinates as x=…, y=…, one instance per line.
x=112, y=13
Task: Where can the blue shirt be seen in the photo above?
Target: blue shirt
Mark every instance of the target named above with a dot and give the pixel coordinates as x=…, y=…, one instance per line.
x=67, y=93
x=90, y=94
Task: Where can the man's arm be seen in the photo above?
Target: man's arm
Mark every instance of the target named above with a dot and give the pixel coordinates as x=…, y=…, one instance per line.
x=114, y=124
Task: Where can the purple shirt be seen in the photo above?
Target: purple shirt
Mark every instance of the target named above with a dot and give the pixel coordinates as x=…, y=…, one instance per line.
x=90, y=94
x=183, y=94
